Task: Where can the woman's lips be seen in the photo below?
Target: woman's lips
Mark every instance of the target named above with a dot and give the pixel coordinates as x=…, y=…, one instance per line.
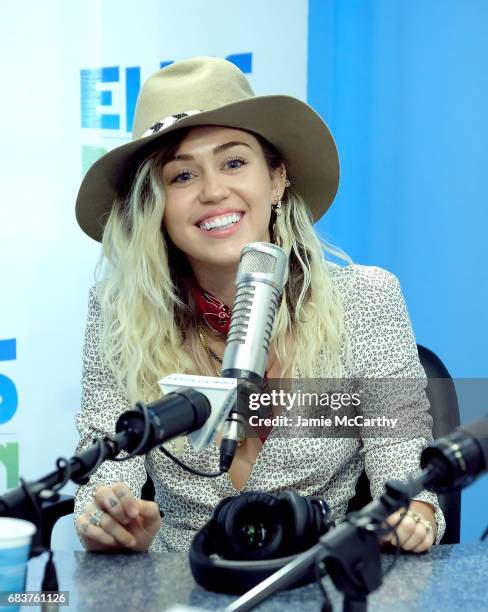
x=222, y=232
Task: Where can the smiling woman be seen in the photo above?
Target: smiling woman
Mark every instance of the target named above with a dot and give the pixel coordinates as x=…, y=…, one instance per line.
x=219, y=191
x=173, y=210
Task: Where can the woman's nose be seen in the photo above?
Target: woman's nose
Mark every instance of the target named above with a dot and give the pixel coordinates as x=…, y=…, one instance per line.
x=213, y=188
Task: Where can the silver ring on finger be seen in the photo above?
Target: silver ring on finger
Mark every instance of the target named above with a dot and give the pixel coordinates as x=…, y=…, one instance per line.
x=96, y=517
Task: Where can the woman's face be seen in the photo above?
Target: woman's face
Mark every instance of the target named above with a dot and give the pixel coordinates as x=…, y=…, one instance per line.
x=219, y=190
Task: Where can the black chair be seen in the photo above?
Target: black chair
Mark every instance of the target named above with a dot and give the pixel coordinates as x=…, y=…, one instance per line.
x=444, y=410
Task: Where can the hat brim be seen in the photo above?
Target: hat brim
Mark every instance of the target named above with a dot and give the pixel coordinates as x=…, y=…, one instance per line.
x=293, y=127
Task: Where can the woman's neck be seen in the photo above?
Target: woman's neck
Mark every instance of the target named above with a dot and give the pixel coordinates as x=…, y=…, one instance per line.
x=221, y=285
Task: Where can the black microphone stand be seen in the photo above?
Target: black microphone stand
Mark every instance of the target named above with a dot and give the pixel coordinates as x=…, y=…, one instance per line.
x=39, y=501
x=137, y=431
x=350, y=552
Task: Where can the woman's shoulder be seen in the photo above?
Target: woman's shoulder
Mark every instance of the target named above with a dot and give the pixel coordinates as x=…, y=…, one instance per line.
x=377, y=321
x=356, y=281
x=94, y=307
x=93, y=315
x=370, y=296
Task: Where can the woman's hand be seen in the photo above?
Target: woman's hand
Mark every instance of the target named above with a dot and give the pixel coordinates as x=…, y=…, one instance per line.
x=417, y=530
x=116, y=520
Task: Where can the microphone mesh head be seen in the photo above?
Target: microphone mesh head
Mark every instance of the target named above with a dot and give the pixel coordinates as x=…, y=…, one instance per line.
x=257, y=262
x=259, y=282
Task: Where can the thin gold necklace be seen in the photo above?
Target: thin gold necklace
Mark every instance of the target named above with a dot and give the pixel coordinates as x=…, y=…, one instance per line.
x=212, y=355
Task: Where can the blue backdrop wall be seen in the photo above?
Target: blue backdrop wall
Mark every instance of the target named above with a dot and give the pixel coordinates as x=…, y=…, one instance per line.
x=403, y=86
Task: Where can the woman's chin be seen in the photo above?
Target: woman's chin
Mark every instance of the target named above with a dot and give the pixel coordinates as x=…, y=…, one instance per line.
x=217, y=261
x=224, y=262
x=225, y=255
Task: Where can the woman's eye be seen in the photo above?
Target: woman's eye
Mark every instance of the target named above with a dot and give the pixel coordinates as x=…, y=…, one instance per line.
x=235, y=162
x=181, y=177
x=232, y=164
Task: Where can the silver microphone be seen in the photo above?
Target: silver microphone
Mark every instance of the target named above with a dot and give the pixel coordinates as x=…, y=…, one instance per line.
x=259, y=283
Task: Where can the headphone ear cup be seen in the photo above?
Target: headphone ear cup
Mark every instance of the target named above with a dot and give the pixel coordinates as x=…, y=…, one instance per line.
x=302, y=523
x=218, y=521
x=259, y=511
x=322, y=515
x=317, y=515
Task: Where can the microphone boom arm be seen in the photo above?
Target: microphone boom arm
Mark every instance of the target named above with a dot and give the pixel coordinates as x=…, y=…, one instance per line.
x=138, y=431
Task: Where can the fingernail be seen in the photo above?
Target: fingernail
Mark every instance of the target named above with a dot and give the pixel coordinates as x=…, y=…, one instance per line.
x=132, y=542
x=133, y=512
x=124, y=520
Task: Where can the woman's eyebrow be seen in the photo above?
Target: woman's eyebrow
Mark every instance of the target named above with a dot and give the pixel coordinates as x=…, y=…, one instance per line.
x=217, y=149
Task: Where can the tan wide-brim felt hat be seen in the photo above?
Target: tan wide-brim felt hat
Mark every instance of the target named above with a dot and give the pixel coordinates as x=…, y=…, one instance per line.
x=213, y=91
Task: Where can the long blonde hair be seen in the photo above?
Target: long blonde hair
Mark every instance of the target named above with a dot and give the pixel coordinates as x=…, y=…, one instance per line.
x=149, y=325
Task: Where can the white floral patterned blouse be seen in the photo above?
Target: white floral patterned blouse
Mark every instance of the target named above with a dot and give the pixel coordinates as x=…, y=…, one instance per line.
x=382, y=346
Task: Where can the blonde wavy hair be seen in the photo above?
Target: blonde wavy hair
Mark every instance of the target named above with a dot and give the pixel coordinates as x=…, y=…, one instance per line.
x=149, y=322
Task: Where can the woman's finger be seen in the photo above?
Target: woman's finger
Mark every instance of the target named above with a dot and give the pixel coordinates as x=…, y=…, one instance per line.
x=151, y=517
x=145, y=526
x=414, y=534
x=116, y=501
x=104, y=521
x=92, y=533
x=143, y=538
x=428, y=541
x=401, y=525
x=416, y=537
x=126, y=499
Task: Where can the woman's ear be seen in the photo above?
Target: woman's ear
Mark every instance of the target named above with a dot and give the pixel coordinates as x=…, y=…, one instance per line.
x=278, y=179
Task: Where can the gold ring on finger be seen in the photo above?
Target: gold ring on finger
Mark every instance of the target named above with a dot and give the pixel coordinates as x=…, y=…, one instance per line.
x=96, y=517
x=414, y=515
x=427, y=525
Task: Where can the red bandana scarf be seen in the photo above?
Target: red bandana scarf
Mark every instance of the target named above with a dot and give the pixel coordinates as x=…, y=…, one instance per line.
x=216, y=315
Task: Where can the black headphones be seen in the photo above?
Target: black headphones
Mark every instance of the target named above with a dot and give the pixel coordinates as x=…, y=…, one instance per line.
x=251, y=536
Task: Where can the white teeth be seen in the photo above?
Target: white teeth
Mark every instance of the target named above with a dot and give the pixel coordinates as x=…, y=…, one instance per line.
x=225, y=221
